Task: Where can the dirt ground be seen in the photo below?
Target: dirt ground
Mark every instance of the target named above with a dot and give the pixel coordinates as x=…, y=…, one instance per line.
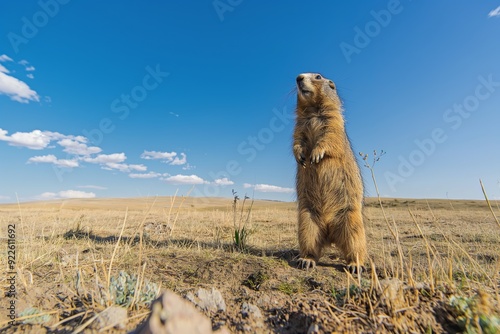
x=423, y=255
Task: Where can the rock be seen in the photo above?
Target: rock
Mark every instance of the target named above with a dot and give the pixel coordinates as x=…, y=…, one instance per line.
x=114, y=316
x=252, y=315
x=170, y=314
x=208, y=301
x=250, y=310
x=264, y=301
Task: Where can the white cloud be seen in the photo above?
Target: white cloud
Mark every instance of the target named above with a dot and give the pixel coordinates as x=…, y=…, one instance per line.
x=495, y=12
x=66, y=194
x=154, y=155
x=4, y=58
x=38, y=140
x=23, y=62
x=76, y=194
x=3, y=69
x=181, y=161
x=35, y=140
x=223, y=182
x=184, y=179
x=30, y=68
x=16, y=89
x=31, y=76
x=92, y=187
x=76, y=147
x=187, y=166
x=107, y=158
x=51, y=159
x=267, y=188
x=4, y=198
x=47, y=195
x=124, y=167
x=167, y=157
x=150, y=175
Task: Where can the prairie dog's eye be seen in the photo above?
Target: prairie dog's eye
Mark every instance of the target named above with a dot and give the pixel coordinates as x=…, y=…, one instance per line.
x=318, y=77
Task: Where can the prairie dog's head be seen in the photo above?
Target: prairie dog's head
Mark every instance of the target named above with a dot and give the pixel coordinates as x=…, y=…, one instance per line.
x=315, y=90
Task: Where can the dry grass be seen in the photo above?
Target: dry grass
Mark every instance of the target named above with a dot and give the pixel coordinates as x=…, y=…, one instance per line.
x=68, y=252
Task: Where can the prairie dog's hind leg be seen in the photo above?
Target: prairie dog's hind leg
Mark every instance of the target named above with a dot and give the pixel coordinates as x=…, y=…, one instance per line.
x=310, y=240
x=349, y=236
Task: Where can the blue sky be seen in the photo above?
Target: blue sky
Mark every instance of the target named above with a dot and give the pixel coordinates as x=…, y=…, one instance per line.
x=100, y=99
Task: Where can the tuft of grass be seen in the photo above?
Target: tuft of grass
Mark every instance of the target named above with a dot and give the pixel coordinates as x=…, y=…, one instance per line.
x=241, y=232
x=255, y=280
x=292, y=287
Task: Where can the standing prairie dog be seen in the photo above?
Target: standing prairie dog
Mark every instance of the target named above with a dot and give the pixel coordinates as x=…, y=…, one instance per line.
x=329, y=184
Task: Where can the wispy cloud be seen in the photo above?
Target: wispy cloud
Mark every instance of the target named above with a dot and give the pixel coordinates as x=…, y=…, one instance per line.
x=107, y=158
x=66, y=194
x=16, y=89
x=4, y=58
x=4, y=198
x=184, y=179
x=125, y=168
x=31, y=76
x=267, y=188
x=3, y=69
x=77, y=146
x=171, y=158
x=181, y=161
x=51, y=159
x=92, y=187
x=223, y=182
x=495, y=12
x=115, y=162
x=150, y=175
x=154, y=155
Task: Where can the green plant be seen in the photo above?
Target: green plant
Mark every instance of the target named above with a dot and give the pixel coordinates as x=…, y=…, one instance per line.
x=255, y=280
x=123, y=287
x=32, y=311
x=473, y=315
x=241, y=232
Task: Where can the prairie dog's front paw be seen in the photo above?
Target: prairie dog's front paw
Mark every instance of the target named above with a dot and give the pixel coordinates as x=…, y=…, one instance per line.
x=317, y=154
x=299, y=155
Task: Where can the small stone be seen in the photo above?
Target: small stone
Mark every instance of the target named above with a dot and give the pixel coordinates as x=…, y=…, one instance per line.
x=112, y=317
x=250, y=310
x=170, y=314
x=208, y=301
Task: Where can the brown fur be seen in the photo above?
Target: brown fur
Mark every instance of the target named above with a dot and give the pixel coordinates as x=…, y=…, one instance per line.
x=329, y=185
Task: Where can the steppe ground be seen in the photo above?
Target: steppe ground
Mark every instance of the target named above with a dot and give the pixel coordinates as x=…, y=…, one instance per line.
x=435, y=251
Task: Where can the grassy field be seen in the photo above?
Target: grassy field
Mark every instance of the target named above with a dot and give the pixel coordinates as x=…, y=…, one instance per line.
x=434, y=265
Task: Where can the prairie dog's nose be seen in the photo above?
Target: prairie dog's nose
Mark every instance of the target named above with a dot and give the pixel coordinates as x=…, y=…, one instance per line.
x=300, y=78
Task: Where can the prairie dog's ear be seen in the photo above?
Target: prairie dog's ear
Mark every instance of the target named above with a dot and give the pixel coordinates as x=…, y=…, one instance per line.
x=331, y=84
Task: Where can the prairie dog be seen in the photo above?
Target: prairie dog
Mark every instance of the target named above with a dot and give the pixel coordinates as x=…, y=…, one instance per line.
x=328, y=180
